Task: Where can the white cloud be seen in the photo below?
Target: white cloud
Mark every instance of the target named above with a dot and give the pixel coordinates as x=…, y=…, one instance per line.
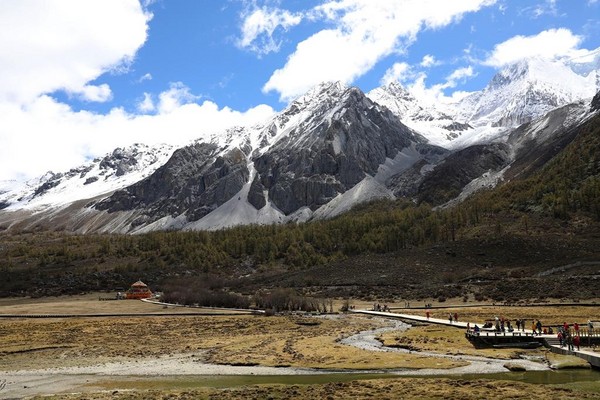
x=48, y=135
x=54, y=45
x=146, y=105
x=146, y=77
x=259, y=26
x=100, y=93
x=548, y=7
x=65, y=45
x=459, y=75
x=548, y=44
x=364, y=32
x=399, y=72
x=177, y=95
x=435, y=93
x=429, y=61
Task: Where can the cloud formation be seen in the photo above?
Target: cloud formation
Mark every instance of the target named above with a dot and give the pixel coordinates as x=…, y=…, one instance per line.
x=49, y=135
x=364, y=32
x=64, y=45
x=548, y=44
x=259, y=26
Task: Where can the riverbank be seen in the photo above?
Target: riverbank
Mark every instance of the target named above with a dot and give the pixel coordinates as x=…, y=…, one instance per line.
x=175, y=355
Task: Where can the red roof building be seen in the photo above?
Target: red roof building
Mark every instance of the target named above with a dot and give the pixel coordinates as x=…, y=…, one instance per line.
x=138, y=290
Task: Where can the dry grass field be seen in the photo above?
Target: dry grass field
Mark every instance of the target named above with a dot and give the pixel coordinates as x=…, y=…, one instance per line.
x=279, y=341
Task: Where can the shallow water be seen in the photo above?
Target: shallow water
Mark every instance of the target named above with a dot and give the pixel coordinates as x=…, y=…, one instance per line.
x=536, y=377
x=533, y=377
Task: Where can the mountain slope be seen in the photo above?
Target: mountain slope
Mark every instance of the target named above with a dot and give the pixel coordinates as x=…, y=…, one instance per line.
x=321, y=146
x=527, y=90
x=119, y=169
x=328, y=151
x=517, y=94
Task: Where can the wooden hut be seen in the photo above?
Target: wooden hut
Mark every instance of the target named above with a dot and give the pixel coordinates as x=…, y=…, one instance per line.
x=139, y=290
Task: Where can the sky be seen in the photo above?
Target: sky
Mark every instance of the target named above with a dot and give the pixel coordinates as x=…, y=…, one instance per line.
x=79, y=78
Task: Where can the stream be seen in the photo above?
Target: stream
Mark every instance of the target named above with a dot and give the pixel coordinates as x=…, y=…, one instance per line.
x=367, y=340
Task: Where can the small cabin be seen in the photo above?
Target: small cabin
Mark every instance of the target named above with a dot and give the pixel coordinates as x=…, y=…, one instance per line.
x=139, y=290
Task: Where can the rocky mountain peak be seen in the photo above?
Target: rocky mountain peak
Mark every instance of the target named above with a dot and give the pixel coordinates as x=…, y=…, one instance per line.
x=595, y=105
x=396, y=89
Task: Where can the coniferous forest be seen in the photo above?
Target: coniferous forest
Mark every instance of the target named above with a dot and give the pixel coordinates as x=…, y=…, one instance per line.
x=558, y=205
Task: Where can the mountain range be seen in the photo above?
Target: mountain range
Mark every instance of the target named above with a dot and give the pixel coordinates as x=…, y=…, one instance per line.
x=329, y=150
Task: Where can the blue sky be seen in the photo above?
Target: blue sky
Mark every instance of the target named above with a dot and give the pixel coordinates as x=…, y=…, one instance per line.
x=81, y=77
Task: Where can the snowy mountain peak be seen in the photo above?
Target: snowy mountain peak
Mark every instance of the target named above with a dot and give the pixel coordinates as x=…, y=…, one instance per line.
x=396, y=89
x=118, y=169
x=538, y=71
x=526, y=90
x=333, y=89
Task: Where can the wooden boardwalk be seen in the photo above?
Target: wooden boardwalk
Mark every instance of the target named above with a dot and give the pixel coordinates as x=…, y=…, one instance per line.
x=549, y=340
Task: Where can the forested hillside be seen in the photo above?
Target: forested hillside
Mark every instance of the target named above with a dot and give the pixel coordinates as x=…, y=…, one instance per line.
x=560, y=201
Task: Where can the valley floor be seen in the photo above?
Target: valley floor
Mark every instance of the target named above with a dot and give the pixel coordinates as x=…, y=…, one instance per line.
x=241, y=356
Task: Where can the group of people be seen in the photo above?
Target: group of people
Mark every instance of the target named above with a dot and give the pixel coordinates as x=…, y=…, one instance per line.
x=379, y=307
x=502, y=324
x=572, y=339
x=566, y=338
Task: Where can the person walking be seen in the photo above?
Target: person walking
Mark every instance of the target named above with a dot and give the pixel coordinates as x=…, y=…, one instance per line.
x=560, y=338
x=576, y=341
x=538, y=325
x=450, y=317
x=427, y=314
x=455, y=317
x=569, y=342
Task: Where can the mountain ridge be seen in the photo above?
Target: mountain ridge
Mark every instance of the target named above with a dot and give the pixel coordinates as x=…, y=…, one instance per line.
x=330, y=149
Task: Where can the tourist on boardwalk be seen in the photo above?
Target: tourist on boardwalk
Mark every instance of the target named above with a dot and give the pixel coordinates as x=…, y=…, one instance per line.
x=576, y=341
x=455, y=317
x=565, y=327
x=450, y=317
x=560, y=338
x=576, y=327
x=476, y=328
x=518, y=323
x=590, y=328
x=427, y=314
x=569, y=341
x=533, y=326
x=523, y=325
x=538, y=325
x=468, y=326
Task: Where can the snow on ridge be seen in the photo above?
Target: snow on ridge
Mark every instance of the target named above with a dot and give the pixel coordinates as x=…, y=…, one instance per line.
x=366, y=190
x=238, y=211
x=518, y=93
x=100, y=176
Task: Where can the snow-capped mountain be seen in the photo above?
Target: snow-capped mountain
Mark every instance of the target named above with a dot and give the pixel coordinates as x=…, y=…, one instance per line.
x=517, y=94
x=527, y=90
x=436, y=124
x=327, y=151
x=324, y=144
x=119, y=169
